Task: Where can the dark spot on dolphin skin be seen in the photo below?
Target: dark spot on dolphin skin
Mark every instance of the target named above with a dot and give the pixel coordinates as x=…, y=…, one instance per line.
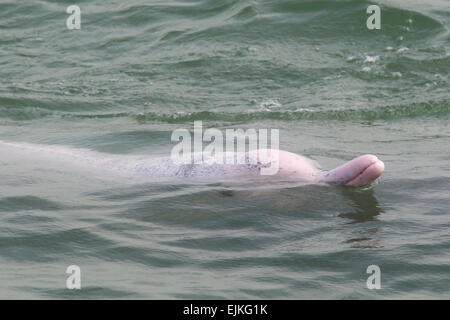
x=185, y=170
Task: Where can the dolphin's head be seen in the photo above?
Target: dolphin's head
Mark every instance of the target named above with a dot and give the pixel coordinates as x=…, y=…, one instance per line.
x=371, y=169
x=358, y=172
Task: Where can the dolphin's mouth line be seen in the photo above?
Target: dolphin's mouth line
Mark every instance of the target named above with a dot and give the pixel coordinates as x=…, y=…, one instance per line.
x=356, y=176
x=361, y=172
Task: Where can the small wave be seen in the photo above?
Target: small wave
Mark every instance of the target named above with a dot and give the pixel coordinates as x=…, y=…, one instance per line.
x=271, y=112
x=385, y=112
x=27, y=203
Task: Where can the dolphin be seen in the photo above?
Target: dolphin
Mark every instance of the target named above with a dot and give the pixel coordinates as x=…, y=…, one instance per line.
x=271, y=164
x=360, y=171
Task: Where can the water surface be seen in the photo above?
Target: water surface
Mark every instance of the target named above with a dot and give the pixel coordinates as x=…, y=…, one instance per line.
x=137, y=70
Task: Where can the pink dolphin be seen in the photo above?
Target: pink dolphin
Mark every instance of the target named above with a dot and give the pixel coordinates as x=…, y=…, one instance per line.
x=360, y=171
x=271, y=163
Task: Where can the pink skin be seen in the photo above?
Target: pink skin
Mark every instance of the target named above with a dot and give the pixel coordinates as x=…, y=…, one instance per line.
x=360, y=171
x=286, y=165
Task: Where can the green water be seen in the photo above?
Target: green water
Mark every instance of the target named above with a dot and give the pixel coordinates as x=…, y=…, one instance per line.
x=137, y=70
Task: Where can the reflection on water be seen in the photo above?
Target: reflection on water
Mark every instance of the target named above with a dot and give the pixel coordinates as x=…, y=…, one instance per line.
x=365, y=205
x=365, y=208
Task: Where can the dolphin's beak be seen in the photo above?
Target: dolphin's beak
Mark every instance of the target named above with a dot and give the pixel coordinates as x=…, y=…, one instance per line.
x=368, y=175
x=358, y=172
